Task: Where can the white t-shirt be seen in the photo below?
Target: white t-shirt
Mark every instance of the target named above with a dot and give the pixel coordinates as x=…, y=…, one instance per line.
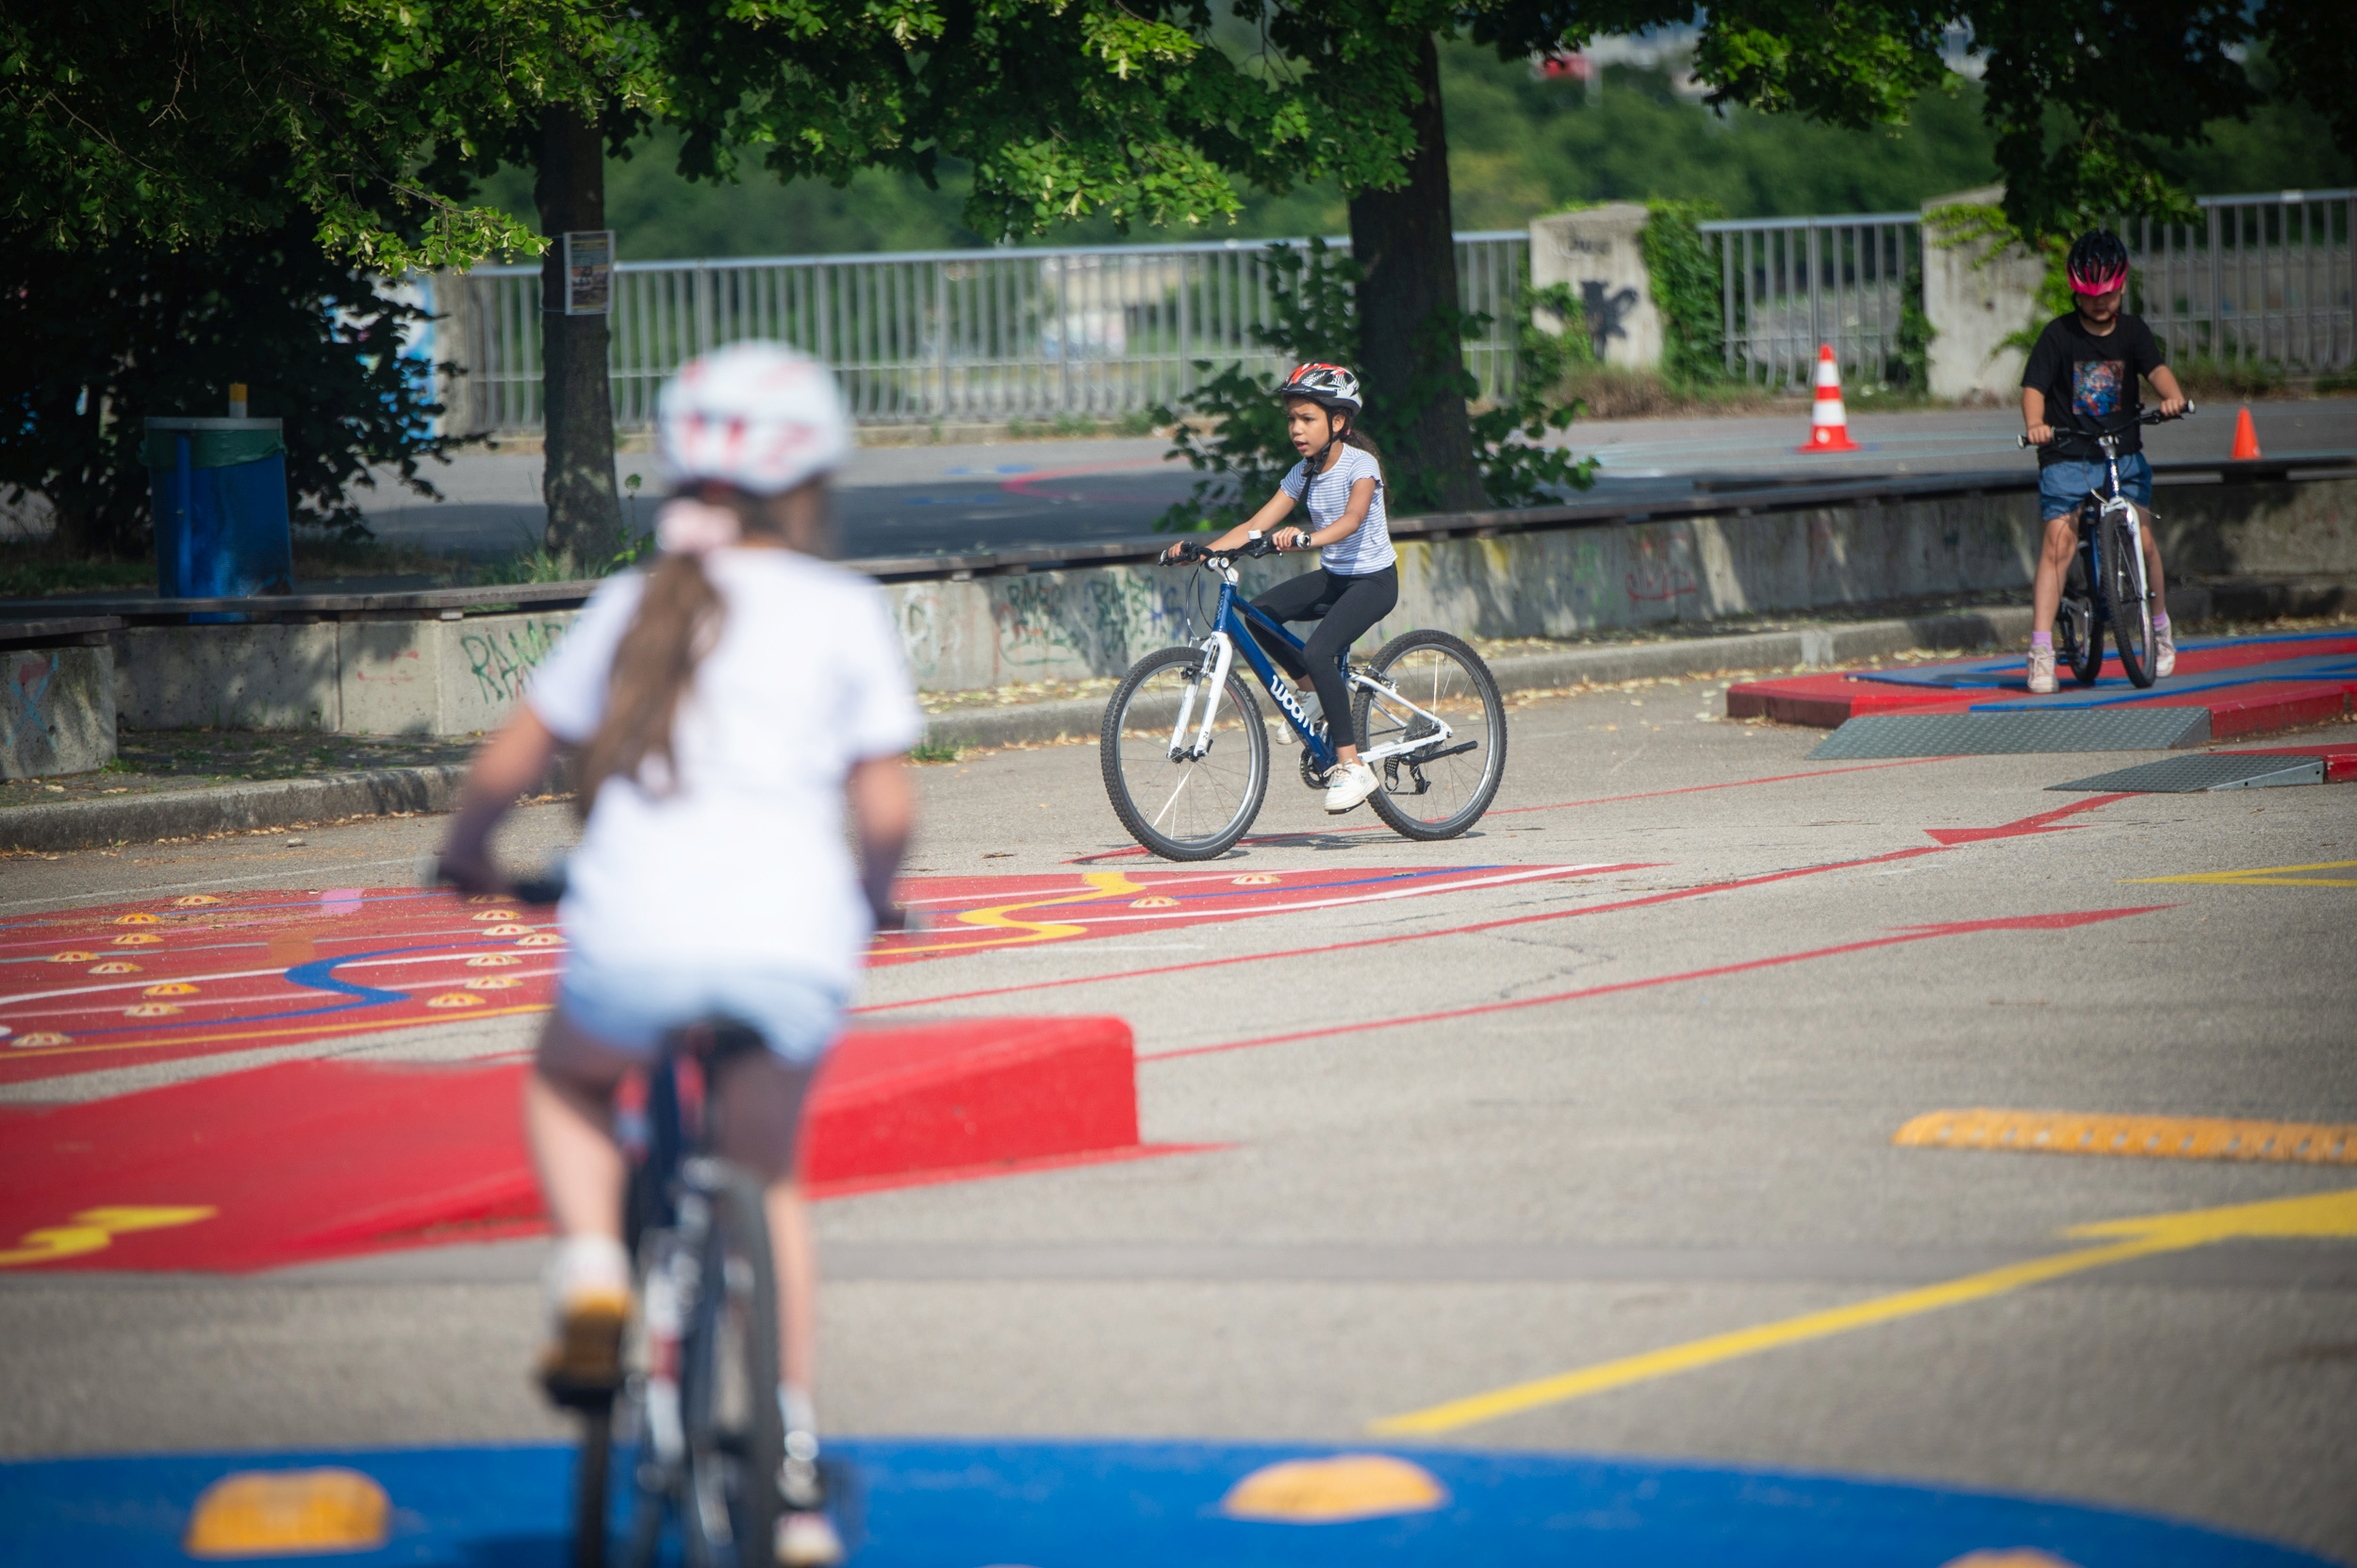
x=1369, y=549
x=744, y=862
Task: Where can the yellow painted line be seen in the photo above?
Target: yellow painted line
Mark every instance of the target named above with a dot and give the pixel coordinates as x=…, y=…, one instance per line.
x=2268, y=876
x=2142, y=1137
x=2323, y=1215
x=1101, y=885
x=95, y=1230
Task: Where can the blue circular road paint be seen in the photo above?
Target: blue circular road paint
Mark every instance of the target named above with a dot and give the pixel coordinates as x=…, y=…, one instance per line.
x=1148, y=1505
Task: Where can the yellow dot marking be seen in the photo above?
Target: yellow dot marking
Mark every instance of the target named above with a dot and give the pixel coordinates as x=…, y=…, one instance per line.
x=95, y=1230
x=1334, y=1490
x=135, y=920
x=194, y=900
x=171, y=988
x=269, y=1512
x=509, y=930
x=152, y=1010
x=40, y=1038
x=71, y=957
x=493, y=961
x=2320, y=1214
x=2269, y=876
x=493, y=982
x=543, y=939
x=494, y=915
x=1257, y=879
x=482, y=898
x=1157, y=901
x=455, y=998
x=138, y=940
x=2139, y=1137
x=117, y=967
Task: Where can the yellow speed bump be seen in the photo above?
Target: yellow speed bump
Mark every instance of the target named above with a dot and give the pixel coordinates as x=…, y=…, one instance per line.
x=2143, y=1137
x=276, y=1513
x=1334, y=1490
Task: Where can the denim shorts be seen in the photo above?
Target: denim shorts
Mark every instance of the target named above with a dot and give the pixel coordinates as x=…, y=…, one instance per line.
x=633, y=1008
x=2062, y=485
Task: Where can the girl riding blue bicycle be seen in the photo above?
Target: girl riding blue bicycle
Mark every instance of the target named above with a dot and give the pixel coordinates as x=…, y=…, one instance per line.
x=1339, y=481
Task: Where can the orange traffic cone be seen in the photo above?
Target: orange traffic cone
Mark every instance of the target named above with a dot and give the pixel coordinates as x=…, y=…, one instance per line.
x=1828, y=423
x=2245, y=436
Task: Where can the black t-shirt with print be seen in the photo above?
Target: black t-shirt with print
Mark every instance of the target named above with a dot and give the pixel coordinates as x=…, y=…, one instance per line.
x=2092, y=384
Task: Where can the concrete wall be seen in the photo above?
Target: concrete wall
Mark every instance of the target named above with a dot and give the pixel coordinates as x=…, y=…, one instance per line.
x=358, y=677
x=56, y=711
x=1974, y=302
x=1598, y=252
x=460, y=677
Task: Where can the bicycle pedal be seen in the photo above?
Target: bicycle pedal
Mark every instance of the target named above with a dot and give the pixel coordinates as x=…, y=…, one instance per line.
x=582, y=1369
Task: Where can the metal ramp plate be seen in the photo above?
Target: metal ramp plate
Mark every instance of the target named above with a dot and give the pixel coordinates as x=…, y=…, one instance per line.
x=1978, y=734
x=2188, y=775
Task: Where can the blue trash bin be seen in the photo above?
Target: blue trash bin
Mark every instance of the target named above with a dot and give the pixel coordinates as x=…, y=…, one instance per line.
x=218, y=492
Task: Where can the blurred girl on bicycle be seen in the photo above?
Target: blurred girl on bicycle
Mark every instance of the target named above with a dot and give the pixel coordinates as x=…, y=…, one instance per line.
x=725, y=707
x=2080, y=382
x=1340, y=481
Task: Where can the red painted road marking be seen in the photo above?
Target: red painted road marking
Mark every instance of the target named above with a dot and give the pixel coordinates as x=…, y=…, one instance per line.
x=1946, y=837
x=1262, y=839
x=1913, y=933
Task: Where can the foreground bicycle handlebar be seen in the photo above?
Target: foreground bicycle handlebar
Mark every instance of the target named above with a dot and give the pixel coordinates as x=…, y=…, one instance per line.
x=1188, y=555
x=2023, y=442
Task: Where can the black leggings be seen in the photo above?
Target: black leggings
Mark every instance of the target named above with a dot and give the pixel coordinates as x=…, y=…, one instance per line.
x=1344, y=608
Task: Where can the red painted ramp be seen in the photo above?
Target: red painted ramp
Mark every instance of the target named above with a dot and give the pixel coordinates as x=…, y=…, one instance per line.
x=310, y=1160
x=2250, y=686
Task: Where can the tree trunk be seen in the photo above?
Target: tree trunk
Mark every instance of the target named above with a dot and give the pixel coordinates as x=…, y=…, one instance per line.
x=585, y=511
x=1412, y=358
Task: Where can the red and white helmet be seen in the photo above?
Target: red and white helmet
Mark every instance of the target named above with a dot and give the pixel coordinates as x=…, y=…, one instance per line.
x=1329, y=386
x=760, y=417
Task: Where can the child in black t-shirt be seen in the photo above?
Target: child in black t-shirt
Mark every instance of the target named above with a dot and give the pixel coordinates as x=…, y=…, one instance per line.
x=2081, y=381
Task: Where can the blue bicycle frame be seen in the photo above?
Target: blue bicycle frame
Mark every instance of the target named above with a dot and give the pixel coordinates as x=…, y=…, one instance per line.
x=1231, y=629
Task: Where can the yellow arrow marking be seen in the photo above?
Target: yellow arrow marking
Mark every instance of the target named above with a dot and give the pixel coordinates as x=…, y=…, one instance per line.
x=2134, y=1137
x=2268, y=876
x=2325, y=1214
x=95, y=1230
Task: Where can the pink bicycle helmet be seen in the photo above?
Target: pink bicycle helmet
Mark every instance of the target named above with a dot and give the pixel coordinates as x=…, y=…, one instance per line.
x=2098, y=262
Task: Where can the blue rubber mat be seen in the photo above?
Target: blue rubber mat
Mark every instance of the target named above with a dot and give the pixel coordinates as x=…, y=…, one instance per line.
x=2007, y=670
x=1154, y=1505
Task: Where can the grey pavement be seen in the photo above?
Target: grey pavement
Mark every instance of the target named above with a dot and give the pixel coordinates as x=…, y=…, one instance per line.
x=933, y=500
x=1403, y=1213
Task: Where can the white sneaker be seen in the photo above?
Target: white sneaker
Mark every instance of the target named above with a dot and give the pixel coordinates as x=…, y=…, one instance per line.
x=807, y=1541
x=1347, y=785
x=2164, y=651
x=2042, y=672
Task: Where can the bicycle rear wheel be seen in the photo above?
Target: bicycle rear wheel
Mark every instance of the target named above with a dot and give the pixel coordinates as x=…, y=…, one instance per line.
x=1181, y=805
x=1441, y=788
x=729, y=1388
x=2131, y=606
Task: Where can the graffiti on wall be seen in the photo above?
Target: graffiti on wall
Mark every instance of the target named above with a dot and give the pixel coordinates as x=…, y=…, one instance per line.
x=30, y=675
x=502, y=658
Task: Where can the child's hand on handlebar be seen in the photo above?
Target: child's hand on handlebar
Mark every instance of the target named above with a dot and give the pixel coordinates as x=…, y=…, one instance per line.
x=1291, y=538
x=2039, y=434
x=2171, y=408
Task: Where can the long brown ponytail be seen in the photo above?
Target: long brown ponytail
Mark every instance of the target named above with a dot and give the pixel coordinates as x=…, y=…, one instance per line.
x=678, y=623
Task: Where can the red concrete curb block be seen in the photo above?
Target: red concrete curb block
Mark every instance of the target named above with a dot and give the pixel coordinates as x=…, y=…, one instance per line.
x=305, y=1160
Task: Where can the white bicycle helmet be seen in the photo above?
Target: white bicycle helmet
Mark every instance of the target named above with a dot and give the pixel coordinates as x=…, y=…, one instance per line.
x=1329, y=386
x=761, y=417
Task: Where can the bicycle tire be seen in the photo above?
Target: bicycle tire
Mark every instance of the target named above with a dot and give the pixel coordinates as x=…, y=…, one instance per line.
x=2128, y=600
x=729, y=1388
x=592, y=1474
x=2078, y=636
x=1457, y=683
x=1150, y=789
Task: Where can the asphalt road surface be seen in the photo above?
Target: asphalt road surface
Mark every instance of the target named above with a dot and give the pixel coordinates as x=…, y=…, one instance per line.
x=950, y=500
x=1466, y=1141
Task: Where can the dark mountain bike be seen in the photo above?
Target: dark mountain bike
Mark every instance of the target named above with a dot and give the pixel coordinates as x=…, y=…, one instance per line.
x=2106, y=585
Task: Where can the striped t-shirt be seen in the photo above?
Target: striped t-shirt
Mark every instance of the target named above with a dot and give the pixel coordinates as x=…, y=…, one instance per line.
x=1365, y=552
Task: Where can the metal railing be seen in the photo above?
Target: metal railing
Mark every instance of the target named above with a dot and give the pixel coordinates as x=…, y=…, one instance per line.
x=1789, y=285
x=2265, y=279
x=918, y=337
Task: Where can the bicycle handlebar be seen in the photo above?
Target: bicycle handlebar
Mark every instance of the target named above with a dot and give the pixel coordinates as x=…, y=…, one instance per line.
x=1260, y=545
x=2156, y=416
x=542, y=887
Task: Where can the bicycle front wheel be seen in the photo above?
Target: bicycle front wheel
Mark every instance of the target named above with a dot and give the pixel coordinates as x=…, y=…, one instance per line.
x=1181, y=794
x=1443, y=784
x=729, y=1388
x=2131, y=606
